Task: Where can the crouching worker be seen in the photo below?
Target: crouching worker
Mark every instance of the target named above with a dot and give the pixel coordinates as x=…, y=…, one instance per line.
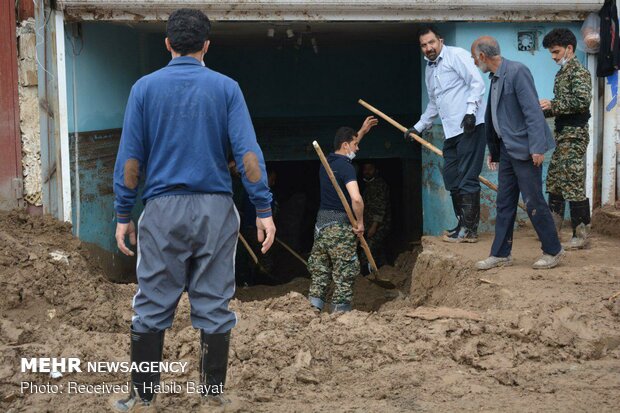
x=334, y=253
x=180, y=123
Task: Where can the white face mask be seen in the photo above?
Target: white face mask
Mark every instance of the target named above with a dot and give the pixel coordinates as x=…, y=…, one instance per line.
x=565, y=59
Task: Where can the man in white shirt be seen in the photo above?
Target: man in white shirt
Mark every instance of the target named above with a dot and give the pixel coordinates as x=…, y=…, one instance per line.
x=455, y=91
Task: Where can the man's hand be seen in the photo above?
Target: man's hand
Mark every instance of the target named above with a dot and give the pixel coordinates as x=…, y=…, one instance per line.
x=538, y=158
x=367, y=125
x=372, y=230
x=411, y=130
x=266, y=232
x=359, y=230
x=122, y=230
x=545, y=104
x=491, y=165
x=469, y=123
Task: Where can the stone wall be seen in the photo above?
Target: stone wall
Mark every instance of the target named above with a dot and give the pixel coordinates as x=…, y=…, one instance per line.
x=29, y=111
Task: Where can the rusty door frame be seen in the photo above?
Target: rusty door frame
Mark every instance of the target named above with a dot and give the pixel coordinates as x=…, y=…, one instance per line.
x=10, y=136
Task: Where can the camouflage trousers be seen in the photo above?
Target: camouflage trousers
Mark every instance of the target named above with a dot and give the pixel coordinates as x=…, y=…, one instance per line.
x=567, y=173
x=334, y=257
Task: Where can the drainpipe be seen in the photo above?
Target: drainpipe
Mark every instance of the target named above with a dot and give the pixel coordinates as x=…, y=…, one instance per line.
x=63, y=121
x=594, y=125
x=610, y=133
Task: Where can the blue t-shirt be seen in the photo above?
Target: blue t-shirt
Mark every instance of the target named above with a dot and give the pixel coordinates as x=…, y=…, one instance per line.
x=344, y=173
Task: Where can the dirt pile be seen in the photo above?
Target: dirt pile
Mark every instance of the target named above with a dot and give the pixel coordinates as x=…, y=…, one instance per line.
x=506, y=340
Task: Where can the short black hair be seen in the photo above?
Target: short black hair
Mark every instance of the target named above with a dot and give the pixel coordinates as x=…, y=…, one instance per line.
x=428, y=28
x=187, y=30
x=560, y=37
x=344, y=134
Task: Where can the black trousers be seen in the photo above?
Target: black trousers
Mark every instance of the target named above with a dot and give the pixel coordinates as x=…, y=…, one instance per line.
x=463, y=157
x=517, y=176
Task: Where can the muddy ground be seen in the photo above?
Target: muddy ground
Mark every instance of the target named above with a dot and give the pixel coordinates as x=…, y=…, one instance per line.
x=450, y=339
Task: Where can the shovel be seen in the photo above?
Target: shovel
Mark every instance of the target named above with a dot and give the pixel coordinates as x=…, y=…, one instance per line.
x=374, y=277
x=423, y=142
x=254, y=257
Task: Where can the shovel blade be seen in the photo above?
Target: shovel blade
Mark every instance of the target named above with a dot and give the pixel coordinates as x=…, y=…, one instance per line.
x=381, y=282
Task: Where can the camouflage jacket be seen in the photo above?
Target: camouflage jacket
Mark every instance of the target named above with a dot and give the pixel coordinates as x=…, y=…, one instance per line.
x=376, y=202
x=572, y=90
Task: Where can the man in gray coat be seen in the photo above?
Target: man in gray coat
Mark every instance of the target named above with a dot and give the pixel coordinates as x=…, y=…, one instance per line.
x=517, y=137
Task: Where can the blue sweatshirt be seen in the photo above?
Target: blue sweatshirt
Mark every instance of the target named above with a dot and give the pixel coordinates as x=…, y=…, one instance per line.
x=180, y=123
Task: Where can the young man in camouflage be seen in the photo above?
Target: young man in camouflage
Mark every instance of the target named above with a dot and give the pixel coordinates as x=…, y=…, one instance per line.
x=377, y=214
x=334, y=253
x=571, y=108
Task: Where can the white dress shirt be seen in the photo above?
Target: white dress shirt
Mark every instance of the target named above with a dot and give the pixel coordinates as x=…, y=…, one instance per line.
x=455, y=88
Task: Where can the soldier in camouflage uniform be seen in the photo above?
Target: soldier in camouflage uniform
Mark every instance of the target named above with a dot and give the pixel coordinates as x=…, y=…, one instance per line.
x=334, y=253
x=377, y=214
x=571, y=109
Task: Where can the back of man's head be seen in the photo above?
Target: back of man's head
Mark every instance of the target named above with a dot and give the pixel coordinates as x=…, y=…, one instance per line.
x=187, y=30
x=344, y=134
x=560, y=37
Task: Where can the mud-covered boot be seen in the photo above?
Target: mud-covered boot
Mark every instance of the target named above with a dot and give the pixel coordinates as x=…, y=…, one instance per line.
x=556, y=205
x=341, y=308
x=470, y=216
x=580, y=221
x=145, y=347
x=457, y=213
x=213, y=367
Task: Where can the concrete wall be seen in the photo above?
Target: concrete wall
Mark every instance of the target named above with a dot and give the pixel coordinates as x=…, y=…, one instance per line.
x=438, y=213
x=102, y=64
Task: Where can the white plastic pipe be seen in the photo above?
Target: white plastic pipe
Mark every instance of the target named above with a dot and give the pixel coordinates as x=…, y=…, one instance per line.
x=63, y=120
x=593, y=145
x=610, y=132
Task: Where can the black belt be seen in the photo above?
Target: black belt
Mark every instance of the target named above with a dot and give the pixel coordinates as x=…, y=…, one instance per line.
x=577, y=120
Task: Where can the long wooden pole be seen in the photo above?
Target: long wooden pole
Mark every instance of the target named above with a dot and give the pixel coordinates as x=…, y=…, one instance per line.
x=345, y=204
x=292, y=251
x=249, y=249
x=423, y=142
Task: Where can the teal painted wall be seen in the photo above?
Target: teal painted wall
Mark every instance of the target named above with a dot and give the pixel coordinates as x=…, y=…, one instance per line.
x=438, y=212
x=107, y=63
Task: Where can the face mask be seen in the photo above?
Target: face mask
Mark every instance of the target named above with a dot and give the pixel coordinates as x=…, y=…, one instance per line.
x=565, y=59
x=351, y=155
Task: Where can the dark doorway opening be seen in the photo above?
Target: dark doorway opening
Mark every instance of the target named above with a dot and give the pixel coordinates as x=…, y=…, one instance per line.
x=297, y=194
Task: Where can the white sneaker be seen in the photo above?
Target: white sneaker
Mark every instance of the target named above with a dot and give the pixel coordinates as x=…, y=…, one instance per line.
x=548, y=261
x=492, y=262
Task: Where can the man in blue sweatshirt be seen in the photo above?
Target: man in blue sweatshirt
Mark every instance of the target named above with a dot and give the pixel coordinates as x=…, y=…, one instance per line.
x=180, y=124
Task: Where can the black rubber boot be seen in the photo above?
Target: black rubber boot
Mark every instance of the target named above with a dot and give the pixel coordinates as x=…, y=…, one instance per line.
x=213, y=366
x=457, y=213
x=145, y=347
x=557, y=205
x=470, y=216
x=580, y=221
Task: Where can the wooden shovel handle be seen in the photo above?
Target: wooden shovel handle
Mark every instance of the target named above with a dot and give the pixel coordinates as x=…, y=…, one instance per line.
x=422, y=141
x=345, y=204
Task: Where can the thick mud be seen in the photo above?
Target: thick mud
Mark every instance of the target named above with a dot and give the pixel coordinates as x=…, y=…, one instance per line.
x=448, y=338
